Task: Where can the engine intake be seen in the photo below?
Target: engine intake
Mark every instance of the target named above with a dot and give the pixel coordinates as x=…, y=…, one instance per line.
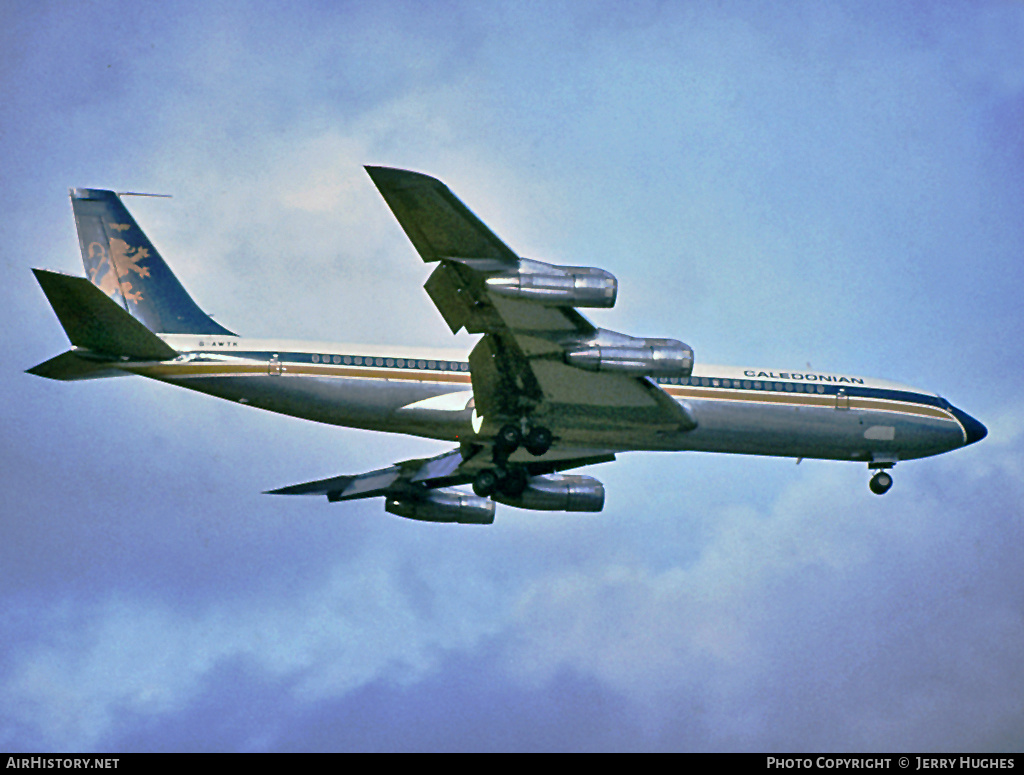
x=558, y=492
x=573, y=286
x=443, y=505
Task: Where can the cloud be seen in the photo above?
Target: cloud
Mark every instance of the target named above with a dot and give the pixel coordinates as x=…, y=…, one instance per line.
x=81, y=666
x=847, y=626
x=860, y=625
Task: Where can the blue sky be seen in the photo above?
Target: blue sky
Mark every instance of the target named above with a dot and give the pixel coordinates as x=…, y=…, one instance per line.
x=839, y=184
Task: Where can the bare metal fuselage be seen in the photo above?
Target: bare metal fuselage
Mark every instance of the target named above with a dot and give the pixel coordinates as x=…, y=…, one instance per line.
x=429, y=394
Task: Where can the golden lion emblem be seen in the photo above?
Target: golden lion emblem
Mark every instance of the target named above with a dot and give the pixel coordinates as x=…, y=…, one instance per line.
x=112, y=269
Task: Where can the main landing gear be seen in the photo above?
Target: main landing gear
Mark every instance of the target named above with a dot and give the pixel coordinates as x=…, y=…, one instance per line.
x=506, y=481
x=511, y=480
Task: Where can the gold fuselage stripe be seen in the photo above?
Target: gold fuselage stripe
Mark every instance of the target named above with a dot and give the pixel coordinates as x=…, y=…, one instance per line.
x=827, y=400
x=264, y=368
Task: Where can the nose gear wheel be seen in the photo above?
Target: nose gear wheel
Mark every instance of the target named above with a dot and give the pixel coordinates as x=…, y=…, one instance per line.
x=880, y=483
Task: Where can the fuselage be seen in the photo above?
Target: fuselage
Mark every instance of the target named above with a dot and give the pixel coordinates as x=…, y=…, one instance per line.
x=429, y=393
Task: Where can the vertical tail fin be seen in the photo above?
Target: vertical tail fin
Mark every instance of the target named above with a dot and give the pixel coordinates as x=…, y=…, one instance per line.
x=122, y=262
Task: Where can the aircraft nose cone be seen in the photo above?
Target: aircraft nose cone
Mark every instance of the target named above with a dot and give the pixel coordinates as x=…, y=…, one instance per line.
x=975, y=430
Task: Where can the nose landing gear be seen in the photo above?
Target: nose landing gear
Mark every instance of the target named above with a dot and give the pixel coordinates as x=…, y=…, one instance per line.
x=882, y=479
x=880, y=483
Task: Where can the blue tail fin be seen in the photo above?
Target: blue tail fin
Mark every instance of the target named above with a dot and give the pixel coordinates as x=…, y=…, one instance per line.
x=122, y=262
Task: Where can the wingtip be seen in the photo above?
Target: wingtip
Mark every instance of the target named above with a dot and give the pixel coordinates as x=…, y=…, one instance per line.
x=282, y=491
x=318, y=487
x=394, y=177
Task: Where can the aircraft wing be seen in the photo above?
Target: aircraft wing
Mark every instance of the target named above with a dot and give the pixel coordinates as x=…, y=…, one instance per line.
x=532, y=329
x=422, y=488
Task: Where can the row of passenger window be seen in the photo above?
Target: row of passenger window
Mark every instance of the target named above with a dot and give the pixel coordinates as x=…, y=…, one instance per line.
x=746, y=384
x=401, y=363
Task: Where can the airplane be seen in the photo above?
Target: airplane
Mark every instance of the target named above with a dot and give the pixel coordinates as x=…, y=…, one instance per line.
x=544, y=391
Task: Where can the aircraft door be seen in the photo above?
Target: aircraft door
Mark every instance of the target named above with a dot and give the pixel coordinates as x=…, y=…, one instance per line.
x=274, y=367
x=842, y=399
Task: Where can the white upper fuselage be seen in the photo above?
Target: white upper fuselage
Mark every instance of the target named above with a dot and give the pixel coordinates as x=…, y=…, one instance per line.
x=211, y=345
x=428, y=392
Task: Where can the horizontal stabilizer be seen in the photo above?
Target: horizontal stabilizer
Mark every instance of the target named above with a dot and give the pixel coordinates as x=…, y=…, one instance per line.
x=96, y=323
x=75, y=365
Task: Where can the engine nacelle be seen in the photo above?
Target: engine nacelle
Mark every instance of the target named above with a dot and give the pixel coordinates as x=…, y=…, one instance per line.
x=558, y=492
x=572, y=286
x=623, y=354
x=443, y=505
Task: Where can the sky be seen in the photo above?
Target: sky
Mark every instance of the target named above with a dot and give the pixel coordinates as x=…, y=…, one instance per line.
x=837, y=184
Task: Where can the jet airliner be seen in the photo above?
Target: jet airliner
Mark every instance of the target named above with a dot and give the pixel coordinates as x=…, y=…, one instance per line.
x=544, y=391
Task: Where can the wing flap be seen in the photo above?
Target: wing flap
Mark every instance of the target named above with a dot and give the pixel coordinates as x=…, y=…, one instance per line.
x=450, y=298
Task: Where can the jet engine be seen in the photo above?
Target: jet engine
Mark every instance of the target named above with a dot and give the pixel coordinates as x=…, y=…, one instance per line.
x=573, y=286
x=558, y=492
x=443, y=505
x=609, y=351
